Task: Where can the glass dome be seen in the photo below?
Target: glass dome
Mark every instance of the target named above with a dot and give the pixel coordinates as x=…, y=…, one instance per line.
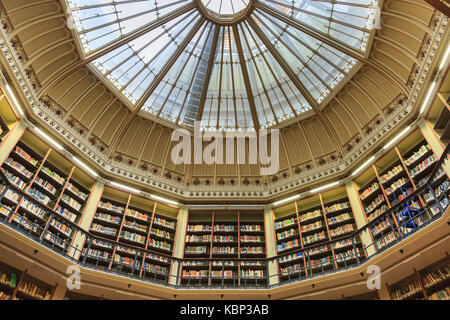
x=169, y=60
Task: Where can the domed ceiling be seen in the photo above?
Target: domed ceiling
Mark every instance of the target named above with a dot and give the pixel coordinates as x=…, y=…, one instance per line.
x=116, y=78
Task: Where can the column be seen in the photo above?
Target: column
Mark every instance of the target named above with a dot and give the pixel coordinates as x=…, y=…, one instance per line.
x=434, y=142
x=269, y=232
x=360, y=216
x=178, y=247
x=85, y=222
x=11, y=140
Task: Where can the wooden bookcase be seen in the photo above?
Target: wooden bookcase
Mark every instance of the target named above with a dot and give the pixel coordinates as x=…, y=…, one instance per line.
x=20, y=285
x=304, y=230
x=224, y=248
x=429, y=283
x=53, y=181
x=400, y=171
x=133, y=224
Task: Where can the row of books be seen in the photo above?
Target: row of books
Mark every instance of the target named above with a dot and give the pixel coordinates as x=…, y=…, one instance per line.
x=368, y=191
x=346, y=228
x=250, y=238
x=10, y=194
x=406, y=291
x=155, y=268
x=131, y=236
x=310, y=215
x=314, y=238
x=374, y=203
x=252, y=250
x=337, y=207
x=134, y=225
x=5, y=210
x=19, y=167
x=312, y=226
x=436, y=276
x=19, y=183
x=95, y=253
x=391, y=173
x=199, y=227
x=285, y=223
x=397, y=184
x=33, y=208
x=159, y=244
x=25, y=155
x=46, y=185
x=76, y=191
x=55, y=176
x=287, y=233
x=164, y=222
x=162, y=233
x=342, y=217
x=111, y=207
x=377, y=212
x=224, y=250
x=417, y=154
x=39, y=196
x=224, y=238
x=198, y=238
x=251, y=228
x=423, y=165
x=107, y=217
x=137, y=214
x=71, y=202
x=33, y=290
x=252, y=274
x=64, y=228
x=223, y=227
x=103, y=229
x=288, y=245
x=381, y=226
x=290, y=257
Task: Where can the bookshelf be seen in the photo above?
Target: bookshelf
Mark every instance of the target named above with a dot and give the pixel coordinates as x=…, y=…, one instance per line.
x=20, y=285
x=304, y=230
x=403, y=169
x=224, y=248
x=53, y=182
x=429, y=283
x=142, y=234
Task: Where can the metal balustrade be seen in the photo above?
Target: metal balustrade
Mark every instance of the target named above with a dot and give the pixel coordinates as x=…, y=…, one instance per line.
x=396, y=232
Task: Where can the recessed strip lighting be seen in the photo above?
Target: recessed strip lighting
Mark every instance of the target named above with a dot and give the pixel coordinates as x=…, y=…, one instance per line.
x=363, y=165
x=425, y=102
x=327, y=186
x=163, y=199
x=14, y=99
x=396, y=138
x=286, y=200
x=123, y=187
x=81, y=164
x=444, y=59
x=46, y=137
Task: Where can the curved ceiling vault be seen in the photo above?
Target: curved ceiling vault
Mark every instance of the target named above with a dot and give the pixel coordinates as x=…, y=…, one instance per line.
x=120, y=76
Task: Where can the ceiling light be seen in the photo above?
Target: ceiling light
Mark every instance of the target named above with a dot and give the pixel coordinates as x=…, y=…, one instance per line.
x=444, y=59
x=14, y=99
x=363, y=165
x=286, y=200
x=126, y=188
x=325, y=187
x=163, y=200
x=81, y=164
x=396, y=138
x=46, y=137
x=427, y=98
